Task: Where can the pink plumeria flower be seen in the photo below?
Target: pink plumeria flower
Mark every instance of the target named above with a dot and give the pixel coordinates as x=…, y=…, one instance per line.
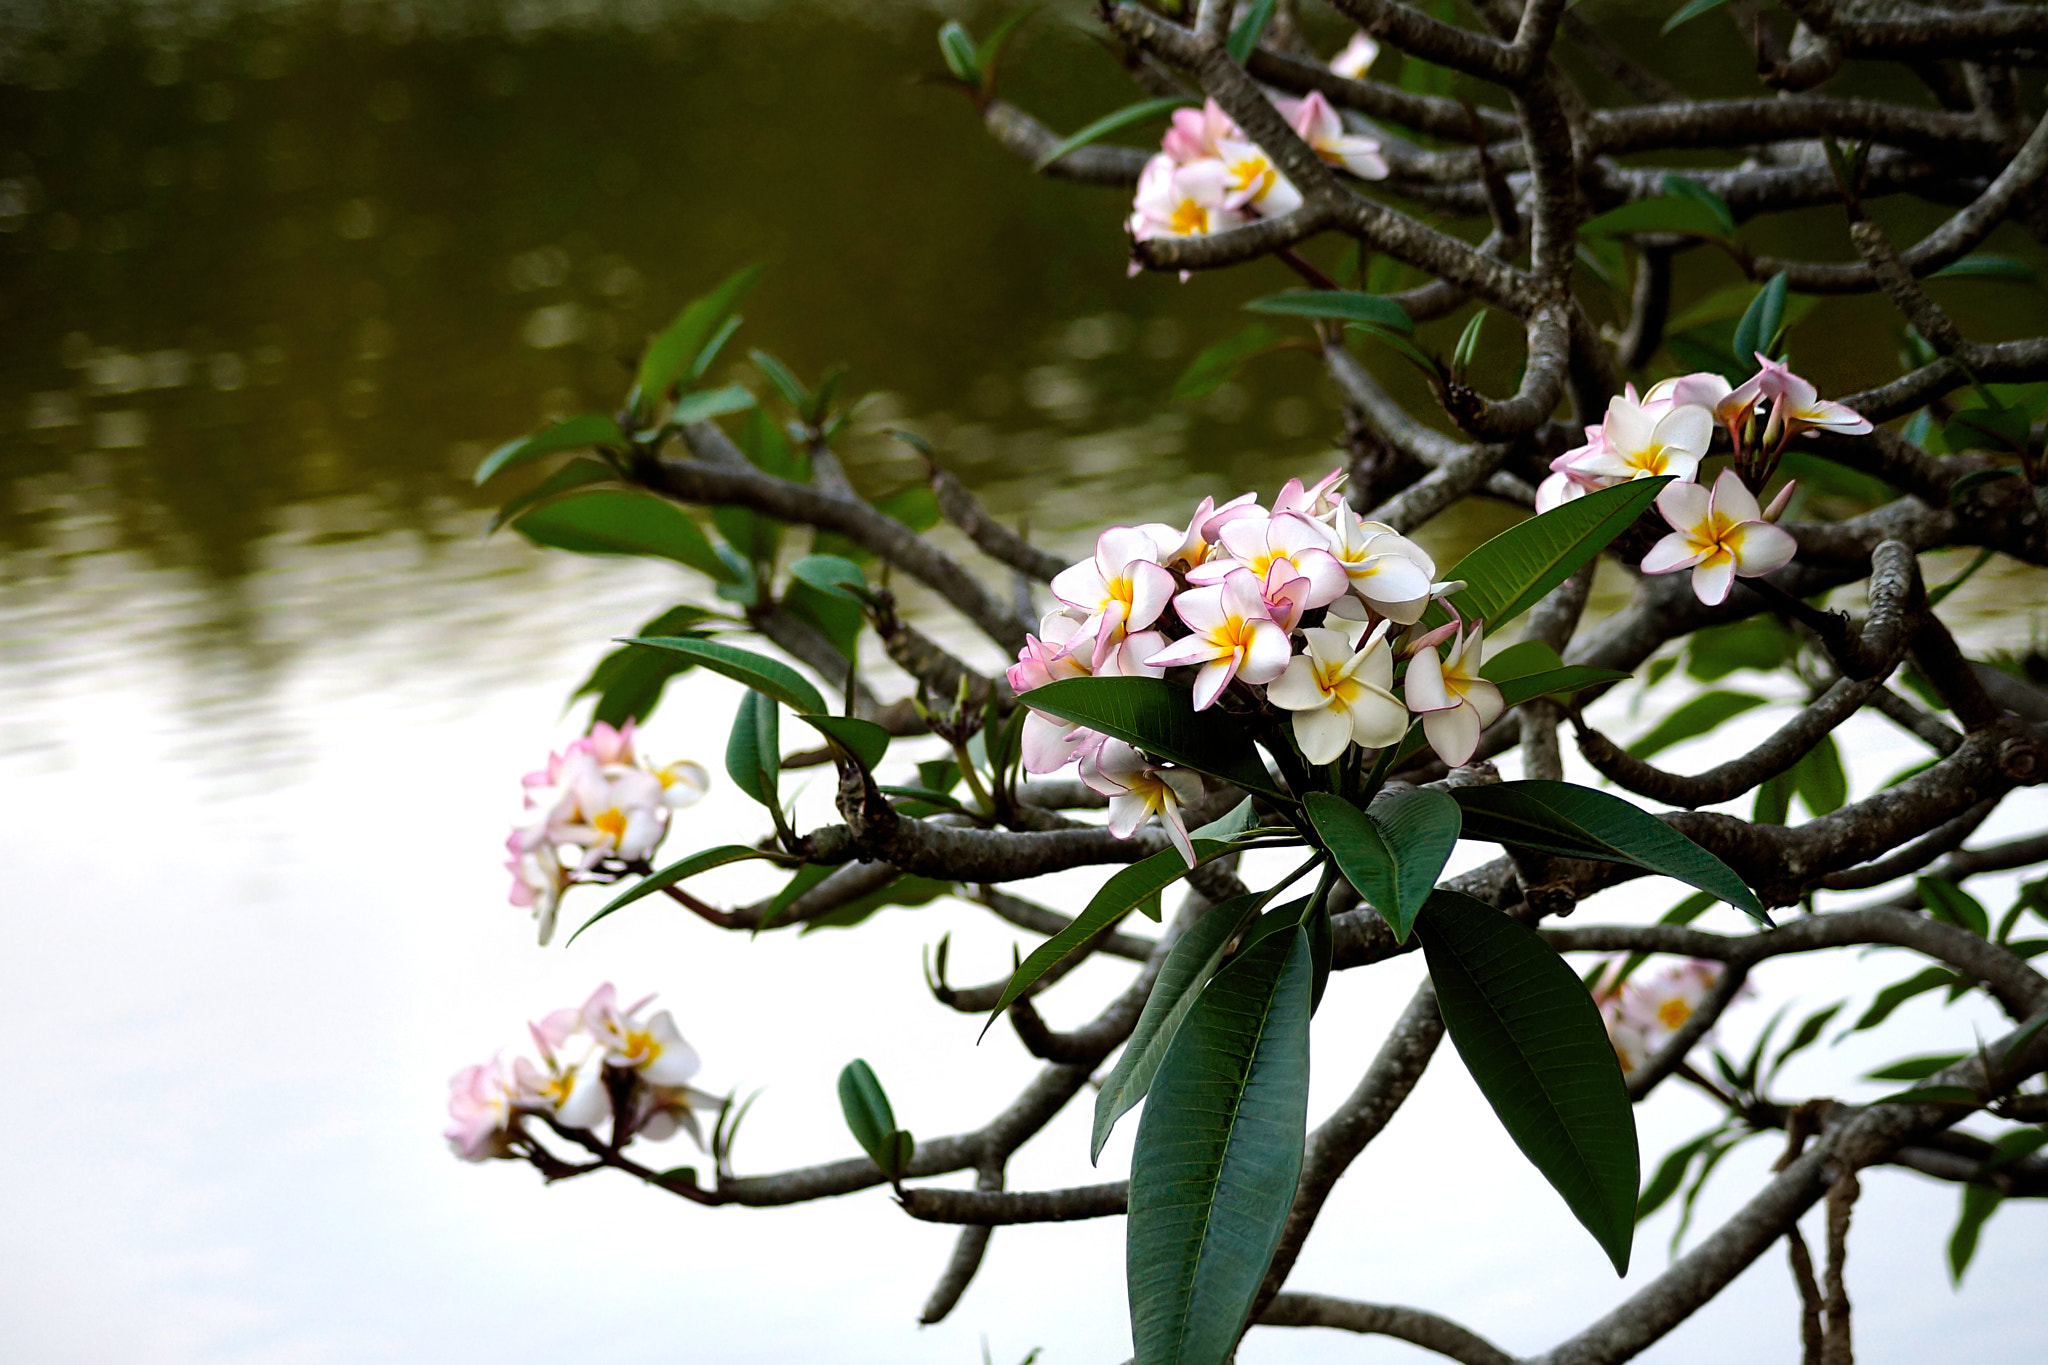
x=1356, y=57
x=1385, y=569
x=1195, y=132
x=1730, y=406
x=1569, y=480
x=1138, y=790
x=1186, y=549
x=538, y=877
x=1048, y=743
x=1276, y=551
x=652, y=1047
x=1122, y=588
x=1182, y=201
x=574, y=1095
x=608, y=812
x=1341, y=696
x=1318, y=503
x=1233, y=636
x=1252, y=183
x=1643, y=440
x=1455, y=702
x=480, y=1103
x=1797, y=406
x=1720, y=535
x=662, y=1111
x=1322, y=128
x=1642, y=1016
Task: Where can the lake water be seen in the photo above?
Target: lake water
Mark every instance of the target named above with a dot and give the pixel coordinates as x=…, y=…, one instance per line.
x=273, y=277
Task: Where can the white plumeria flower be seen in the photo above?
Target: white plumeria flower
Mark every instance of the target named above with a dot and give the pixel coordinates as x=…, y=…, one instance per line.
x=1643, y=440
x=1643, y=1016
x=1253, y=182
x=1138, y=790
x=1455, y=702
x=538, y=877
x=608, y=810
x=1322, y=128
x=653, y=1047
x=1720, y=535
x=1276, y=551
x=1186, y=549
x=480, y=1101
x=1182, y=201
x=1341, y=697
x=1194, y=133
x=1797, y=406
x=1388, y=571
x=1233, y=636
x=1730, y=406
x=683, y=783
x=661, y=1111
x=1122, y=588
x=575, y=1096
x=1356, y=56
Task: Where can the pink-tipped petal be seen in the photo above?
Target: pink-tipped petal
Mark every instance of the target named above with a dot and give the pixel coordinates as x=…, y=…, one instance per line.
x=1151, y=589
x=1732, y=498
x=1671, y=554
x=1212, y=679
x=1761, y=548
x=1684, y=505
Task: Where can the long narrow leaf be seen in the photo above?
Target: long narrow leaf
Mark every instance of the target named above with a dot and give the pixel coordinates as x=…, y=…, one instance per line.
x=1160, y=719
x=1107, y=124
x=574, y=433
x=1393, y=853
x=678, y=871
x=1343, y=305
x=618, y=521
x=1513, y=571
x=770, y=677
x=669, y=355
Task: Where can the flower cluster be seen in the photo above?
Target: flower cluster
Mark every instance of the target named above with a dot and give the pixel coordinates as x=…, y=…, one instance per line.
x=1209, y=176
x=598, y=800
x=1642, y=1016
x=631, y=1070
x=1722, y=535
x=1291, y=608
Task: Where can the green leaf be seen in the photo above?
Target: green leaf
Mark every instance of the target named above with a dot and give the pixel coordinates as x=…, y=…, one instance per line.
x=1947, y=901
x=1670, y=1175
x=578, y=473
x=1532, y=1038
x=1218, y=1153
x=1691, y=9
x=837, y=619
x=1160, y=719
x=617, y=521
x=678, y=871
x=1515, y=570
x=873, y=1123
x=1245, y=36
x=708, y=403
x=1808, y=1034
x=1560, y=682
x=991, y=48
x=786, y=383
x=1762, y=642
x=1401, y=346
x=708, y=355
x=574, y=433
x=1130, y=887
x=833, y=576
x=1704, y=713
x=1110, y=123
x=1773, y=801
x=1985, y=266
x=628, y=682
x=1214, y=366
x=1578, y=822
x=1898, y=993
x=1344, y=305
x=753, y=538
x=863, y=741
x=1761, y=320
x=806, y=877
x=669, y=356
x=1678, y=214
x=1979, y=1203
x=770, y=677
x=1960, y=489
x=907, y=890
x=2004, y=430
x=1819, y=779
x=1916, y=1068
x=753, y=751
x=1468, y=344
x=768, y=448
x=956, y=45
x=1189, y=964
x=1685, y=187
x=915, y=506
x=1393, y=853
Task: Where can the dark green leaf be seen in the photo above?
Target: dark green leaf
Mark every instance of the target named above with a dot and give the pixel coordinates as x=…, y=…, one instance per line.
x=1532, y=1038
x=753, y=538
x=1691, y=9
x=787, y=384
x=768, y=448
x=832, y=575
x=578, y=473
x=804, y=879
x=1761, y=642
x=1343, y=305
x=863, y=741
x=1218, y=363
x=1773, y=801
x=1819, y=779
x=1979, y=1203
x=2004, y=430
x=872, y=1121
x=1520, y=661
x=708, y=403
x=1898, y=993
x=1916, y=1068
x=1160, y=719
x=1808, y=1034
x=1468, y=344
x=1678, y=214
x=1760, y=321
x=1393, y=853
x=990, y=48
x=1564, y=682
x=628, y=682
x=1685, y=187
x=753, y=751
x=1189, y=964
x=907, y=891
x=669, y=356
x=574, y=433
x=956, y=45
x=1515, y=570
x=770, y=677
x=1704, y=713
x=1248, y=30
x=1578, y=822
x=837, y=619
x=1670, y=1175
x=1975, y=479
x=678, y=871
x=914, y=506
x=617, y=521
x=1947, y=901
x=1218, y=1153
x=1985, y=266
x=1110, y=123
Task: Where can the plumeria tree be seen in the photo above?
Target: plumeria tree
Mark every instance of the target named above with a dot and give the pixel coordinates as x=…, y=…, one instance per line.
x=1290, y=670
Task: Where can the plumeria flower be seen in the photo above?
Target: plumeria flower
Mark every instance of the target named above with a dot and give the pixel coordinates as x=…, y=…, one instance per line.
x=661, y=1111
x=1455, y=702
x=1642, y=440
x=608, y=811
x=1048, y=742
x=1138, y=789
x=1123, y=588
x=1390, y=572
x=1340, y=696
x=1185, y=549
x=1720, y=535
x=1253, y=182
x=1317, y=503
x=575, y=1096
x=1233, y=636
x=1322, y=128
x=1195, y=133
x=1730, y=406
x=1277, y=550
x=1182, y=201
x=538, y=877
x=480, y=1103
x=1797, y=406
x=652, y=1047
x=1642, y=1016
x=683, y=783
x=1356, y=57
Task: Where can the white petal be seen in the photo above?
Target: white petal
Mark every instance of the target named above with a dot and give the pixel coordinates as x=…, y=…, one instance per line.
x=1670, y=554
x=1425, y=687
x=1322, y=734
x=1761, y=548
x=1732, y=498
x=1378, y=719
x=1296, y=689
x=1714, y=579
x=1454, y=734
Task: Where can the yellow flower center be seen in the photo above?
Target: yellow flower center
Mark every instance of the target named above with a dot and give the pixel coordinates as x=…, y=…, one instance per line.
x=1255, y=175
x=611, y=823
x=1673, y=1013
x=1189, y=219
